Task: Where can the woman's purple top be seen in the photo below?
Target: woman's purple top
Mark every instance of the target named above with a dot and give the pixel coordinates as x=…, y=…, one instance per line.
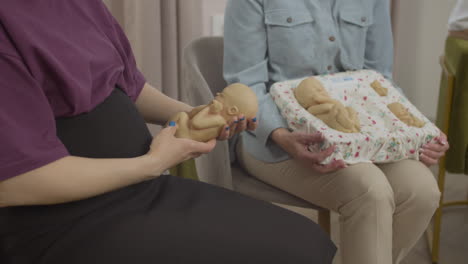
x=58, y=58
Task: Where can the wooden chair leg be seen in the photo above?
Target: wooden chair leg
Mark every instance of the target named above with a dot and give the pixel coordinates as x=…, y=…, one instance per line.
x=435, y=246
x=434, y=236
x=324, y=220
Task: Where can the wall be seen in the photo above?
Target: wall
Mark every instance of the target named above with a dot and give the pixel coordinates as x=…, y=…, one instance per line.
x=421, y=29
x=210, y=8
x=420, y=32
x=198, y=17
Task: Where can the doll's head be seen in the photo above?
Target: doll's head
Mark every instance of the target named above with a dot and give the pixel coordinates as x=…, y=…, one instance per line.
x=404, y=115
x=399, y=110
x=311, y=92
x=377, y=86
x=238, y=99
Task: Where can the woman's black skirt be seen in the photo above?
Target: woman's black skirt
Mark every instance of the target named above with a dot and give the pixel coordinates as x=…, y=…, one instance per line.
x=165, y=220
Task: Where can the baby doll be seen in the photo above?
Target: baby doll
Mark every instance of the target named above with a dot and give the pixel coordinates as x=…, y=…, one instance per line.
x=377, y=86
x=205, y=122
x=406, y=117
x=312, y=96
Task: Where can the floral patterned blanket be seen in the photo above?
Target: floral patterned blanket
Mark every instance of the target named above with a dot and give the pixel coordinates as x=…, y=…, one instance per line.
x=383, y=137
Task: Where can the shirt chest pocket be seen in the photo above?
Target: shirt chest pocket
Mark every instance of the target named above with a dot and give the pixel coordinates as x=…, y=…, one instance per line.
x=354, y=26
x=290, y=36
x=356, y=20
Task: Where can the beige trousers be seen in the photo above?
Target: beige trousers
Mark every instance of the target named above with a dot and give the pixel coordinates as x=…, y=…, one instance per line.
x=384, y=209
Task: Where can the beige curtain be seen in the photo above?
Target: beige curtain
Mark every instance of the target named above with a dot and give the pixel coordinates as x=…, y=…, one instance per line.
x=158, y=31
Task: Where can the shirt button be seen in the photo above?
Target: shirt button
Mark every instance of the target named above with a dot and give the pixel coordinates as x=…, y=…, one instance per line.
x=329, y=68
x=332, y=38
x=289, y=20
x=363, y=19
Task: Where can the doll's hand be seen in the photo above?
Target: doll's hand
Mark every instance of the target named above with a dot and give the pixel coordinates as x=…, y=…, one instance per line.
x=238, y=125
x=431, y=153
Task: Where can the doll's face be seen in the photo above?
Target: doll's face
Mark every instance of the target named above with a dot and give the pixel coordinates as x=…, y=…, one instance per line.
x=400, y=111
x=227, y=108
x=318, y=94
x=238, y=99
x=319, y=91
x=216, y=106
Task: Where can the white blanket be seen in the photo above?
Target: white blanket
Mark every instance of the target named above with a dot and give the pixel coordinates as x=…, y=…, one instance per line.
x=383, y=137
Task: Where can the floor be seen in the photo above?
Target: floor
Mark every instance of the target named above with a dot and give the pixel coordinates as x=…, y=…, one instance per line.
x=454, y=238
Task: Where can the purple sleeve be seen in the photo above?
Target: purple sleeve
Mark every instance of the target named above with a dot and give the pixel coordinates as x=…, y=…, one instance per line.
x=28, y=137
x=132, y=81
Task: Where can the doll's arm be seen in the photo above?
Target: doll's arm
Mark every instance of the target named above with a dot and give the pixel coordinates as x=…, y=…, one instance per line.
x=320, y=109
x=196, y=110
x=345, y=116
x=204, y=119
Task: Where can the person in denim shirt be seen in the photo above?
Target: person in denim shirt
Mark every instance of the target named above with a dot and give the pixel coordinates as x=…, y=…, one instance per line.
x=384, y=209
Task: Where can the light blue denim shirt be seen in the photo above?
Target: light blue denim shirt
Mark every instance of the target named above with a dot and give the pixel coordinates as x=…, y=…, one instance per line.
x=267, y=41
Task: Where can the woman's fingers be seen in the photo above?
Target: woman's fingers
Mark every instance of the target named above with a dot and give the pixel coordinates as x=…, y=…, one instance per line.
x=315, y=157
x=432, y=154
x=442, y=139
x=171, y=128
x=242, y=125
x=233, y=126
x=434, y=147
x=311, y=139
x=201, y=147
x=195, y=155
x=428, y=161
x=252, y=124
x=171, y=150
x=319, y=157
x=331, y=167
x=237, y=125
x=225, y=133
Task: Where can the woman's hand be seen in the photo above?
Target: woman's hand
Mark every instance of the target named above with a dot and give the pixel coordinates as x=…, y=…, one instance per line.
x=296, y=144
x=168, y=151
x=238, y=125
x=431, y=153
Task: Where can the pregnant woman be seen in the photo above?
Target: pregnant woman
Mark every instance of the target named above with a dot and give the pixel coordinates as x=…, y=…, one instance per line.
x=80, y=174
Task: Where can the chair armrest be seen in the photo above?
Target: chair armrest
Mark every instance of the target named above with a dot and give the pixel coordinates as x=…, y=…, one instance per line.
x=213, y=168
x=193, y=90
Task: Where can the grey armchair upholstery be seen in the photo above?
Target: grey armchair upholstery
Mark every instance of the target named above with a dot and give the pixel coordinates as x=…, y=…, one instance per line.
x=202, y=77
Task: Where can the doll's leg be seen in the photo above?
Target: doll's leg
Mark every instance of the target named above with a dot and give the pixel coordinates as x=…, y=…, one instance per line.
x=182, y=120
x=353, y=116
x=320, y=109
